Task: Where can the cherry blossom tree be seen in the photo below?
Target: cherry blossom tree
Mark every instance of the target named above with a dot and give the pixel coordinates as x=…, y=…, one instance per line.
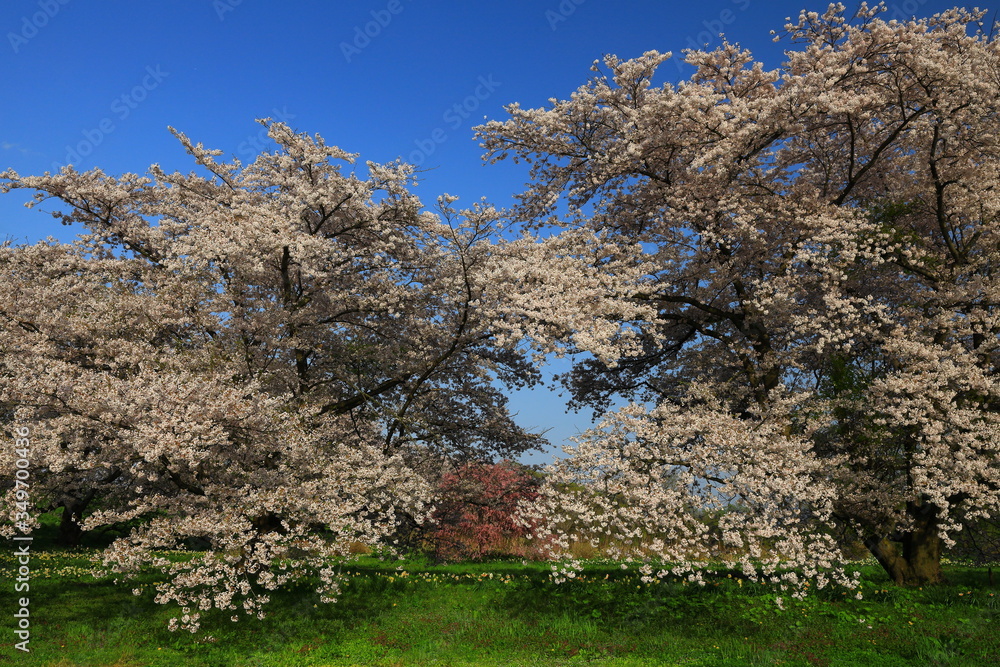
x=260, y=357
x=793, y=277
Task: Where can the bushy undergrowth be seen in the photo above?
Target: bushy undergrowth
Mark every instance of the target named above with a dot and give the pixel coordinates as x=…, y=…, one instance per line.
x=475, y=515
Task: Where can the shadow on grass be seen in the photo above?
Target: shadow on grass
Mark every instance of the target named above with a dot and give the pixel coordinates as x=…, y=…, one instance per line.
x=101, y=623
x=414, y=613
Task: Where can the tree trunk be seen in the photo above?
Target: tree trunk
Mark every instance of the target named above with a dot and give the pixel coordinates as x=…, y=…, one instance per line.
x=70, y=531
x=919, y=561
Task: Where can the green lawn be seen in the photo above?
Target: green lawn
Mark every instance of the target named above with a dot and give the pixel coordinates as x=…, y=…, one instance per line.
x=410, y=613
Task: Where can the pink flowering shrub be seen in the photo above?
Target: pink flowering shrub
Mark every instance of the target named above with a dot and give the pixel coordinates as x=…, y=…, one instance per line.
x=476, y=516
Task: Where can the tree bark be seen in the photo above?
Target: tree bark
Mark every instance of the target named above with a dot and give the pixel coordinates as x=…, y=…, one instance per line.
x=918, y=561
x=70, y=531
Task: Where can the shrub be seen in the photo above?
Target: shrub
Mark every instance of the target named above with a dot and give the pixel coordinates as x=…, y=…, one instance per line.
x=476, y=516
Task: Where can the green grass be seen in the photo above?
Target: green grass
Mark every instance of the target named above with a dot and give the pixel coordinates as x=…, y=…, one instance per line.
x=460, y=615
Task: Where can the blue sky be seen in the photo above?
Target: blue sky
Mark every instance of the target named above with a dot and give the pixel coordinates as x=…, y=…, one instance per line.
x=97, y=83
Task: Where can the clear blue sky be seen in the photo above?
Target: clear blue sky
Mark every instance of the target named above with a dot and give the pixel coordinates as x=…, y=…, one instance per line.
x=96, y=83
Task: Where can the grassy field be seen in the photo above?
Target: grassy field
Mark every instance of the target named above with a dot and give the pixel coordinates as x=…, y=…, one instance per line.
x=411, y=613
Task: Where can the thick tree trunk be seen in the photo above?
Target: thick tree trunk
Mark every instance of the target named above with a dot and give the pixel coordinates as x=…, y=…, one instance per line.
x=919, y=561
x=70, y=531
